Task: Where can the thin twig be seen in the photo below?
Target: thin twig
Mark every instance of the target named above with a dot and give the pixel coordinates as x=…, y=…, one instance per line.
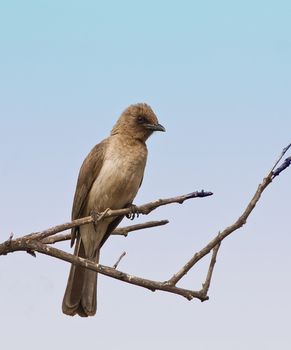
x=119, y=259
x=222, y=235
x=284, y=151
x=57, y=238
x=142, y=209
x=282, y=167
x=206, y=284
x=122, y=231
x=23, y=244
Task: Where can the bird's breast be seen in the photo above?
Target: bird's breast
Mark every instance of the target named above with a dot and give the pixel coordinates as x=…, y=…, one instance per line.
x=119, y=179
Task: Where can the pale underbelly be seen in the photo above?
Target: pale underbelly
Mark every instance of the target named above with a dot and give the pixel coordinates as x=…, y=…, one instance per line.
x=113, y=190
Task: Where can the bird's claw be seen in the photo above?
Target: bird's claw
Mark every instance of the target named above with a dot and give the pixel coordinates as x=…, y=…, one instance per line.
x=95, y=216
x=133, y=212
x=98, y=216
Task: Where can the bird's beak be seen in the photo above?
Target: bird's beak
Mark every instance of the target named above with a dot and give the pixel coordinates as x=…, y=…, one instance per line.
x=155, y=127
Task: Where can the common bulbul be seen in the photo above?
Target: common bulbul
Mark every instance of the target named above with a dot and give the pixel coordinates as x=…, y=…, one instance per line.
x=110, y=177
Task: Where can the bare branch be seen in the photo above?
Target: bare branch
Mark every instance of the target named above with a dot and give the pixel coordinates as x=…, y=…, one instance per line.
x=222, y=235
x=206, y=284
x=37, y=242
x=143, y=209
x=284, y=151
x=122, y=231
x=282, y=167
x=57, y=238
x=119, y=259
x=239, y=222
x=24, y=244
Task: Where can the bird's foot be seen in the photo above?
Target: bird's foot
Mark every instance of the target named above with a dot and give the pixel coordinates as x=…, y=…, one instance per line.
x=98, y=216
x=133, y=212
x=95, y=216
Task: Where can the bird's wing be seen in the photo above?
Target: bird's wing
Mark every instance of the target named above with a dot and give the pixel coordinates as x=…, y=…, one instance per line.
x=111, y=227
x=89, y=171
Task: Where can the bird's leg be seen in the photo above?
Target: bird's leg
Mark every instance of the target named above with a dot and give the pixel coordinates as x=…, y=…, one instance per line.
x=95, y=216
x=98, y=216
x=133, y=212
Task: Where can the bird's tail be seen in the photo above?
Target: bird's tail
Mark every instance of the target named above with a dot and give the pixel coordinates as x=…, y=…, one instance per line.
x=80, y=295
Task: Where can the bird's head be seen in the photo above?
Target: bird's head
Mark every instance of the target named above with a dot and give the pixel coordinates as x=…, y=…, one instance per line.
x=138, y=121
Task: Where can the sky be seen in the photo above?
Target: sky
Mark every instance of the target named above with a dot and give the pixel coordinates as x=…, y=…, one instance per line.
x=218, y=76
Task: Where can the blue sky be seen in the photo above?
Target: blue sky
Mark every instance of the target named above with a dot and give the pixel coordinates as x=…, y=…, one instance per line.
x=218, y=76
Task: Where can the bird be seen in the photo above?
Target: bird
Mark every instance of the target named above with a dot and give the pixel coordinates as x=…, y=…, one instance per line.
x=109, y=177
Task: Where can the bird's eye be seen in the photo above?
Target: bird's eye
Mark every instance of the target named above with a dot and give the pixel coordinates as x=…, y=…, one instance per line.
x=141, y=119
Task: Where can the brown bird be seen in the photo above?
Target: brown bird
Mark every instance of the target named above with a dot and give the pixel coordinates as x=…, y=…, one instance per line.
x=109, y=177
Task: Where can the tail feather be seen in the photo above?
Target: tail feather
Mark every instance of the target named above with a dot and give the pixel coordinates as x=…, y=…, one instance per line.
x=80, y=295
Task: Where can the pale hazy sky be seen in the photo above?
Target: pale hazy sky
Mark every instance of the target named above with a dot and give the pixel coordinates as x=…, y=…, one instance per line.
x=218, y=75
